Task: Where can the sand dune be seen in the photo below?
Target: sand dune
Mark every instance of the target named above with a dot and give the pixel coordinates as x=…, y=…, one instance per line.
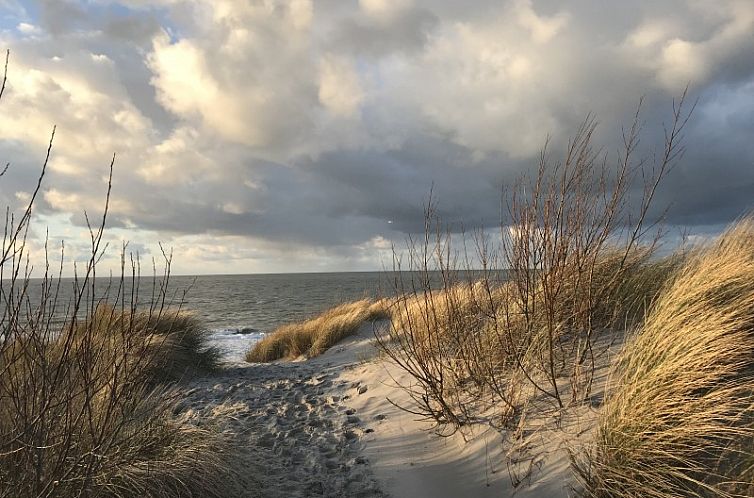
x=327, y=427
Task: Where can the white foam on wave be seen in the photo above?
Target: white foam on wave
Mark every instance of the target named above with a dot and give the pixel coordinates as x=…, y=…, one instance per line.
x=234, y=342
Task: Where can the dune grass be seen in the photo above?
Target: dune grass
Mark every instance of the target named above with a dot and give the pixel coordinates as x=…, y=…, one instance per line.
x=315, y=336
x=680, y=421
x=173, y=342
x=88, y=408
x=468, y=306
x=89, y=411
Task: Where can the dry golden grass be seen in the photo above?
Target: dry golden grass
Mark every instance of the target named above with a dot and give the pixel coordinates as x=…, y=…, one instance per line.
x=679, y=422
x=623, y=287
x=429, y=313
x=176, y=459
x=173, y=341
x=316, y=335
x=623, y=302
x=163, y=455
x=86, y=412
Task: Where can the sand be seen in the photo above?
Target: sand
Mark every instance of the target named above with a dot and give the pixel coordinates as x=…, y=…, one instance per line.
x=293, y=426
x=327, y=427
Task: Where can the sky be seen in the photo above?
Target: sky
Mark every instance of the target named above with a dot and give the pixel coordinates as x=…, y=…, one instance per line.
x=305, y=135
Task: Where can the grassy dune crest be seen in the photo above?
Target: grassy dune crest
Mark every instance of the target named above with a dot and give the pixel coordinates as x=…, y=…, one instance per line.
x=89, y=410
x=314, y=336
x=471, y=307
x=474, y=347
x=680, y=421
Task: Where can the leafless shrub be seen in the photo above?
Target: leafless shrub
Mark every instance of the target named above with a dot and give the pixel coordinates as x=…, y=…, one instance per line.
x=524, y=318
x=438, y=334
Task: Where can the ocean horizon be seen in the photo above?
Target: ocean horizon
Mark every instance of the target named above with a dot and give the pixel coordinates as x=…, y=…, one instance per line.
x=239, y=309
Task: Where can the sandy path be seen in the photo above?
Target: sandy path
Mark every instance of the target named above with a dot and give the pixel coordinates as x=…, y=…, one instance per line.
x=325, y=427
x=301, y=439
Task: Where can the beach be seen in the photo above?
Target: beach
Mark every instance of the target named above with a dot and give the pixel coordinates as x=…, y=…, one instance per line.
x=329, y=426
x=377, y=248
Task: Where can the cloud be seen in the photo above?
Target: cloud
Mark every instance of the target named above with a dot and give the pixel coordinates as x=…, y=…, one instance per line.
x=305, y=134
x=677, y=54
x=542, y=29
x=228, y=79
x=385, y=9
x=339, y=87
x=383, y=28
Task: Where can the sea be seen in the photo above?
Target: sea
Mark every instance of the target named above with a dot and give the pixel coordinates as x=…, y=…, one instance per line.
x=238, y=310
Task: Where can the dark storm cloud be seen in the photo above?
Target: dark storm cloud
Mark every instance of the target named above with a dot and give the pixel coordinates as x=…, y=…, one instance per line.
x=714, y=183
x=396, y=185
x=61, y=16
x=407, y=32
x=132, y=28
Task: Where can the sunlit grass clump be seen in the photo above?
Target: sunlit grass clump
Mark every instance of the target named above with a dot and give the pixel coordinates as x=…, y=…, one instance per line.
x=316, y=335
x=680, y=421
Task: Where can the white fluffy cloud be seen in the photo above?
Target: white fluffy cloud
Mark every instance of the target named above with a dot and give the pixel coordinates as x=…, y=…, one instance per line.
x=339, y=87
x=228, y=79
x=676, y=54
